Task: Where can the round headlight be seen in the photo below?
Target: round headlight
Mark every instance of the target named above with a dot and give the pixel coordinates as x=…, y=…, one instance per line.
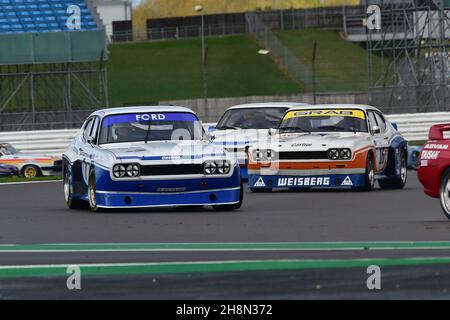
x=257, y=155
x=119, y=171
x=270, y=154
x=210, y=167
x=223, y=167
x=133, y=170
x=333, y=154
x=346, y=154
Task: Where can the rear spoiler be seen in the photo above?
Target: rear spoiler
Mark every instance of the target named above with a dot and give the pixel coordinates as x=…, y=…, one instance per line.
x=437, y=131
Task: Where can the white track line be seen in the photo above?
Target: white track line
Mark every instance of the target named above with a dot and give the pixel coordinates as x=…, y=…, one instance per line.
x=25, y=182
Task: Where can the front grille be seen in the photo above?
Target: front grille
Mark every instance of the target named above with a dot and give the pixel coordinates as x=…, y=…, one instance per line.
x=171, y=169
x=303, y=155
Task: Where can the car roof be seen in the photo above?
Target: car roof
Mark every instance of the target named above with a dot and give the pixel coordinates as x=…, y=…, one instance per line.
x=269, y=105
x=141, y=109
x=339, y=106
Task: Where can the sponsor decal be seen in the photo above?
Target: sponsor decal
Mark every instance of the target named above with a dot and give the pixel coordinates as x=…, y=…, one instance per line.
x=301, y=145
x=347, y=182
x=436, y=146
x=327, y=113
x=304, y=182
x=430, y=155
x=168, y=190
x=147, y=117
x=424, y=163
x=260, y=183
x=171, y=157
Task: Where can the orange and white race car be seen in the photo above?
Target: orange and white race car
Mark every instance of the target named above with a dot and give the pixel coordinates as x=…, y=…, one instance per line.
x=330, y=146
x=30, y=165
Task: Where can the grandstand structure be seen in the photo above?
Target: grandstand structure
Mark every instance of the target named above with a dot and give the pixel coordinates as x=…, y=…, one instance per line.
x=414, y=47
x=52, y=70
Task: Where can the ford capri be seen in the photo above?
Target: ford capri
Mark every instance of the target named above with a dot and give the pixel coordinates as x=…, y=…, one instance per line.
x=138, y=157
x=29, y=165
x=246, y=124
x=330, y=146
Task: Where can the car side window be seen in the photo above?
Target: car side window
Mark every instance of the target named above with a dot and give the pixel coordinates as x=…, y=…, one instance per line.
x=94, y=130
x=381, y=122
x=372, y=120
x=88, y=129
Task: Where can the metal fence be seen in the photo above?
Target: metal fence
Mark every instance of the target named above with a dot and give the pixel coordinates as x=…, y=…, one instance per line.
x=171, y=33
x=223, y=24
x=281, y=54
x=23, y=121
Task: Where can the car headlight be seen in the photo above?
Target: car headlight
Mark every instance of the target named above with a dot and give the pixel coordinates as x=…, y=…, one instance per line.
x=133, y=170
x=223, y=167
x=264, y=155
x=340, y=154
x=346, y=154
x=210, y=167
x=217, y=167
x=333, y=154
x=257, y=155
x=119, y=171
x=270, y=155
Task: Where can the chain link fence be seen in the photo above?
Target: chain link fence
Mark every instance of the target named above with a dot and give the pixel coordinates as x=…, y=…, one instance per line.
x=282, y=55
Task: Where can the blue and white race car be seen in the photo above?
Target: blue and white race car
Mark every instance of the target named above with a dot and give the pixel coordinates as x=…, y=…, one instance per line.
x=243, y=125
x=138, y=157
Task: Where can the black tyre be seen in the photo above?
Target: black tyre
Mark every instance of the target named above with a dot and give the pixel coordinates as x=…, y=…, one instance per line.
x=445, y=193
x=231, y=207
x=69, y=197
x=31, y=171
x=397, y=182
x=369, y=176
x=92, y=192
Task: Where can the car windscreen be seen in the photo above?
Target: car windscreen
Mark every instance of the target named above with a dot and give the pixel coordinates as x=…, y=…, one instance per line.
x=252, y=118
x=160, y=126
x=7, y=149
x=324, y=120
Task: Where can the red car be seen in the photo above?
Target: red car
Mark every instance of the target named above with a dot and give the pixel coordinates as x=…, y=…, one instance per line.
x=434, y=166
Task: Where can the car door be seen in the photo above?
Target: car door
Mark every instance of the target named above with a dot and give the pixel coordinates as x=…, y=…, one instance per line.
x=380, y=139
x=385, y=143
x=85, y=148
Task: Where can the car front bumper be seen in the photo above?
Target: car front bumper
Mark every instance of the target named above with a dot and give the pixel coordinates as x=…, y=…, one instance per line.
x=314, y=181
x=167, y=193
x=108, y=199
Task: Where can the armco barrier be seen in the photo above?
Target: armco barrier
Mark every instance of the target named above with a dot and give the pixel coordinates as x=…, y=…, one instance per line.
x=414, y=127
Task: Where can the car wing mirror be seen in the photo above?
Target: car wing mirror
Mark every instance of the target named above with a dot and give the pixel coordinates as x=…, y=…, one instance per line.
x=272, y=131
x=91, y=141
x=210, y=136
x=376, y=129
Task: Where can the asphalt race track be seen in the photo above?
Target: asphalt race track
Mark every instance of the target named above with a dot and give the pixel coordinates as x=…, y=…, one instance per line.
x=353, y=229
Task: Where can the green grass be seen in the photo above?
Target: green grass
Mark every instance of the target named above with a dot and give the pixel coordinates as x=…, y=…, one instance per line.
x=22, y=179
x=170, y=70
x=340, y=65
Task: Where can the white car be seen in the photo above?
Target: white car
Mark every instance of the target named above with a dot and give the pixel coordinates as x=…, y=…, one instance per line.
x=243, y=125
x=158, y=156
x=29, y=165
x=330, y=146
